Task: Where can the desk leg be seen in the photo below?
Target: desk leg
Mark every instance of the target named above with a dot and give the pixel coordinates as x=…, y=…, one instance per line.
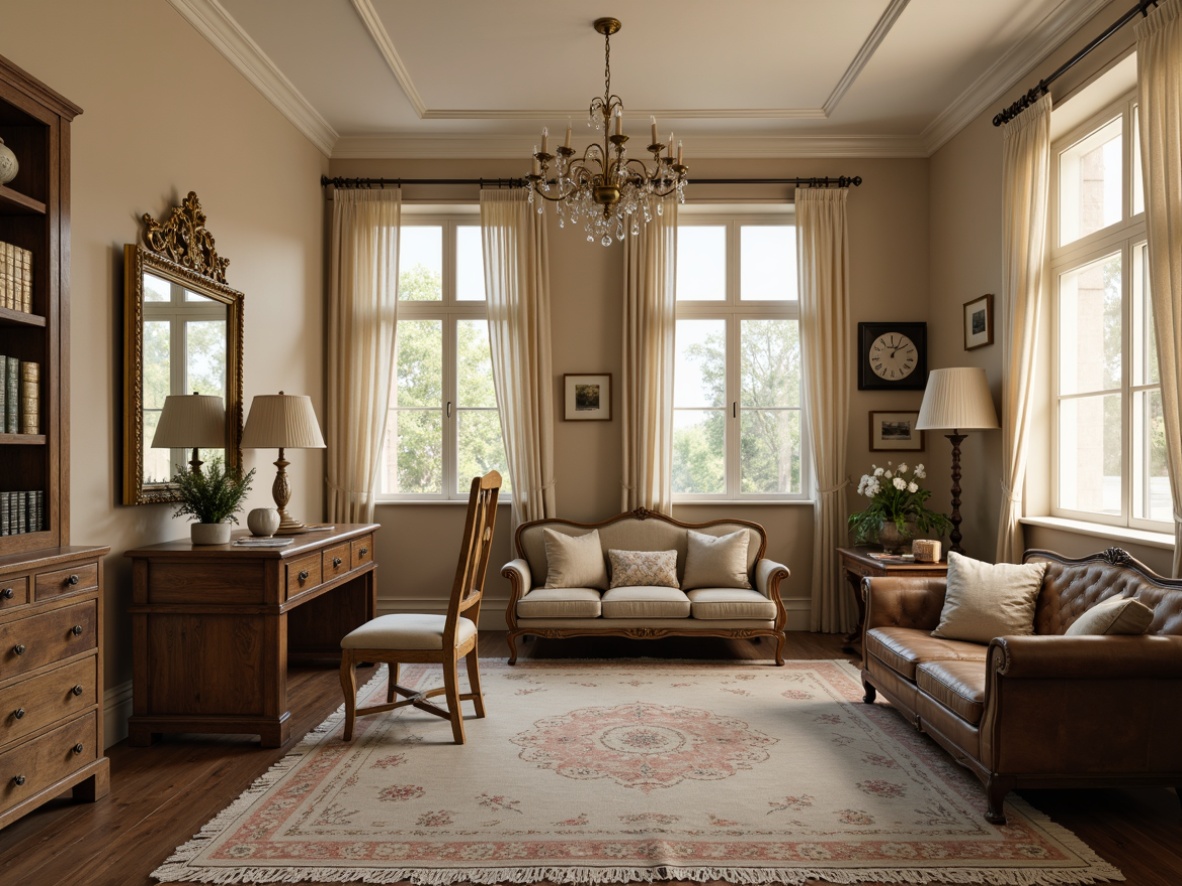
x=853, y=640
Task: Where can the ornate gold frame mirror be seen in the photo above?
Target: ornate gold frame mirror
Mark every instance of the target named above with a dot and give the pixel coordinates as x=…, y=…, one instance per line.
x=182, y=334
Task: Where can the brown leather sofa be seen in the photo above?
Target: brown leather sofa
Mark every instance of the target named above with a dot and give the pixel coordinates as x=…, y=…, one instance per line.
x=1043, y=710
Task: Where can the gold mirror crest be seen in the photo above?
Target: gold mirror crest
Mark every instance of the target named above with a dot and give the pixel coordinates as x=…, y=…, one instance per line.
x=184, y=239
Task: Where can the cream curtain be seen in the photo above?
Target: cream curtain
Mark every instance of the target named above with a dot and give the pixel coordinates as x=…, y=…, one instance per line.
x=646, y=397
x=822, y=248
x=362, y=312
x=1026, y=177
x=1159, y=81
x=517, y=283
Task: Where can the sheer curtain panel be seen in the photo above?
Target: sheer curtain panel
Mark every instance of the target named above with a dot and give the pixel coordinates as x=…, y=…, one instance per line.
x=650, y=271
x=1026, y=178
x=362, y=314
x=1159, y=83
x=517, y=283
x=824, y=270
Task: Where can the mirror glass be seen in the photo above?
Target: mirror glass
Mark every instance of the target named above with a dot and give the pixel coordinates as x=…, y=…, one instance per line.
x=183, y=335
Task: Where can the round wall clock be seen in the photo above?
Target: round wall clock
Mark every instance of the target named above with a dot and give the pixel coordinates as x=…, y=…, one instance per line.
x=892, y=356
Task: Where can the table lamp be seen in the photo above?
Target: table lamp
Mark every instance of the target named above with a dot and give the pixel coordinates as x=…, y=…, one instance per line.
x=956, y=399
x=196, y=421
x=282, y=421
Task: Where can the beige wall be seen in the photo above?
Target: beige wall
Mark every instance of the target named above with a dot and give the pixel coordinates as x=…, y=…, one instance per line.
x=888, y=279
x=163, y=114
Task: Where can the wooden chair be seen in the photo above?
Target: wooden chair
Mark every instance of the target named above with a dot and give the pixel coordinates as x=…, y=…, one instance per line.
x=445, y=639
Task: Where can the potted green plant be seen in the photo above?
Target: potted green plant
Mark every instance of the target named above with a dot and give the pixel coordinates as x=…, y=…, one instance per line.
x=898, y=508
x=212, y=496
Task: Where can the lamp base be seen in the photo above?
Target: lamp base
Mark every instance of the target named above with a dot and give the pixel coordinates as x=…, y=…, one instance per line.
x=288, y=526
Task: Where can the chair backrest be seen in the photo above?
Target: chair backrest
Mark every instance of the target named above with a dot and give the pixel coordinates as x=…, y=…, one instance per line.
x=475, y=550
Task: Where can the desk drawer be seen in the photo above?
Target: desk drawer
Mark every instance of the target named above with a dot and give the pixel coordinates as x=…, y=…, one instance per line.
x=361, y=551
x=76, y=579
x=54, y=695
x=37, y=764
x=29, y=643
x=14, y=591
x=303, y=574
x=336, y=561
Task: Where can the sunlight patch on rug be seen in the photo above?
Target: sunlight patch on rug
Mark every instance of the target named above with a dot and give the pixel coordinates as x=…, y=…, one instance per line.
x=617, y=771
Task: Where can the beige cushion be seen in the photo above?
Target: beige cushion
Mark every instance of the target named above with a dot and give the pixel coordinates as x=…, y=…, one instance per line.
x=645, y=602
x=559, y=603
x=715, y=561
x=1116, y=615
x=987, y=600
x=631, y=569
x=574, y=561
x=405, y=631
x=722, y=603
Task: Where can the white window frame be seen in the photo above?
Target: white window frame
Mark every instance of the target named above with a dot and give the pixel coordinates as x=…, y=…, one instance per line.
x=1122, y=237
x=449, y=311
x=732, y=310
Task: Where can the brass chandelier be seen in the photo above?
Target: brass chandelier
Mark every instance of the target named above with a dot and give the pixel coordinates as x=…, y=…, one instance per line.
x=610, y=192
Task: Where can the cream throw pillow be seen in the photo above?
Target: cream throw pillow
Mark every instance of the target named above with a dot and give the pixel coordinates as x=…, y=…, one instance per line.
x=643, y=569
x=987, y=600
x=1116, y=615
x=716, y=561
x=574, y=561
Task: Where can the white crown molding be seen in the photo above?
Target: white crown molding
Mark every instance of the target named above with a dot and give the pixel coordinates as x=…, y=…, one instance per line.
x=381, y=38
x=411, y=147
x=662, y=113
x=865, y=53
x=217, y=26
x=989, y=88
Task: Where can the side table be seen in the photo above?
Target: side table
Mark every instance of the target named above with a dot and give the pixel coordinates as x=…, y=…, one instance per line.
x=862, y=562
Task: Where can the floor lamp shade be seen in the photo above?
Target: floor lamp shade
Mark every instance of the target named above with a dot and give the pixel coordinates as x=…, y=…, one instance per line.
x=956, y=399
x=191, y=421
x=282, y=421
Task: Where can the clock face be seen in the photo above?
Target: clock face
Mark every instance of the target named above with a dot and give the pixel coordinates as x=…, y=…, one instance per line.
x=893, y=356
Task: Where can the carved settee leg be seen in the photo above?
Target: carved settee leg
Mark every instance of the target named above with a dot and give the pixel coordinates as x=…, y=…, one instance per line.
x=870, y=694
x=781, y=640
x=995, y=794
x=511, y=639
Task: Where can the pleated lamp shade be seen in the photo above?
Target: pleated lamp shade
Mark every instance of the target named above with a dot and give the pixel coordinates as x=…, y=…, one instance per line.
x=957, y=399
x=282, y=421
x=191, y=421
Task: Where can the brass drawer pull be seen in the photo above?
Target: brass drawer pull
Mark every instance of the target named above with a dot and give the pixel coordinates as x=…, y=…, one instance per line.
x=18, y=780
x=364, y=551
x=336, y=562
x=304, y=574
x=73, y=580
x=18, y=714
x=7, y=593
x=76, y=630
x=19, y=649
x=78, y=690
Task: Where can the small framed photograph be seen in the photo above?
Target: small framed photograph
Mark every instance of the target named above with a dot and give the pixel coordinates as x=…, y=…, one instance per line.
x=978, y=322
x=587, y=397
x=895, y=432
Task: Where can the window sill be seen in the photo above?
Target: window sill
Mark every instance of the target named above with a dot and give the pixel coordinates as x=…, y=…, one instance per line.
x=1161, y=540
x=741, y=502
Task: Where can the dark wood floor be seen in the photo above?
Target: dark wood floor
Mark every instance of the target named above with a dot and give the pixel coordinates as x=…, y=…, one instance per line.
x=161, y=796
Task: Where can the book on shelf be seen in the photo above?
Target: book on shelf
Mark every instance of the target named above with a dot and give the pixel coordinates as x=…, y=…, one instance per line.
x=12, y=395
x=16, y=278
x=30, y=411
x=7, y=275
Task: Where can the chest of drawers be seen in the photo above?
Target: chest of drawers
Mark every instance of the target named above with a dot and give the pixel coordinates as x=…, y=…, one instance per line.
x=51, y=735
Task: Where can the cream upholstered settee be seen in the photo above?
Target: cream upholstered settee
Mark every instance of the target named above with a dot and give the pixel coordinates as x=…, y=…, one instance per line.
x=644, y=575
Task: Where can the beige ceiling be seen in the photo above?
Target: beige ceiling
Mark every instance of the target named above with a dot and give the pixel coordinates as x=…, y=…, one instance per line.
x=744, y=78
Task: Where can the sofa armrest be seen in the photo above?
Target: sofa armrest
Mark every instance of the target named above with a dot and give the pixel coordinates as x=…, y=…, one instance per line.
x=768, y=575
x=903, y=602
x=1054, y=656
x=520, y=578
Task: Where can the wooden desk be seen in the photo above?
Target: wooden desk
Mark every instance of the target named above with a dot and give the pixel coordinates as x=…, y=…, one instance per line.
x=214, y=627
x=859, y=563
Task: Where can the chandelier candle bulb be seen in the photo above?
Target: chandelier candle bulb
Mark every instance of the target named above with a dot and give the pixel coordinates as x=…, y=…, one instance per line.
x=679, y=154
x=619, y=122
x=545, y=139
x=653, y=120
x=566, y=144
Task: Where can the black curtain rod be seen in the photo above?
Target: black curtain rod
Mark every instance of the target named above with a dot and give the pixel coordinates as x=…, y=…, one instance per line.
x=843, y=181
x=1040, y=89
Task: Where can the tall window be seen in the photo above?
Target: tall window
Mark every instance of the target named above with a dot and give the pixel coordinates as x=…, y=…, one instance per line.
x=1109, y=431
x=738, y=403
x=443, y=428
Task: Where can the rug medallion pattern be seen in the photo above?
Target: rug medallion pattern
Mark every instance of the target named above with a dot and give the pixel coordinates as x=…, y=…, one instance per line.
x=606, y=772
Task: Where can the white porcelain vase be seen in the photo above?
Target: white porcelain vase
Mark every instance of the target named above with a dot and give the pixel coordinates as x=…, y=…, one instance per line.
x=210, y=533
x=263, y=522
x=8, y=164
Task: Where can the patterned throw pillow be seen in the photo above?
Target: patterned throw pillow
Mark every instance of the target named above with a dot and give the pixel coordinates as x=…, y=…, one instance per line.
x=651, y=569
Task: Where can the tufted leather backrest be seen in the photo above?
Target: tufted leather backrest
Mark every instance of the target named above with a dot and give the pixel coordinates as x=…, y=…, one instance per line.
x=1072, y=586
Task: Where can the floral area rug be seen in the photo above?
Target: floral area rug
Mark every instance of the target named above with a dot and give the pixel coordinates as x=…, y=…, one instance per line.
x=610, y=771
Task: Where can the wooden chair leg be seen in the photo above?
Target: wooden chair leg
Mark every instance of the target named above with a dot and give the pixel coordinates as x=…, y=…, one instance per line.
x=451, y=692
x=392, y=681
x=349, y=687
x=474, y=682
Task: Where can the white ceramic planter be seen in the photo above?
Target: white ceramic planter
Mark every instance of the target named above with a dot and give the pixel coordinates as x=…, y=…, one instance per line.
x=210, y=533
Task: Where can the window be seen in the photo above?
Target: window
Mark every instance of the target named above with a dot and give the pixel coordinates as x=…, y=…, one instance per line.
x=443, y=428
x=1109, y=429
x=738, y=414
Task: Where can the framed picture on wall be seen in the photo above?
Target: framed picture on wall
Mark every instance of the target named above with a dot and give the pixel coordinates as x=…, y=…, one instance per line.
x=978, y=322
x=587, y=397
x=895, y=432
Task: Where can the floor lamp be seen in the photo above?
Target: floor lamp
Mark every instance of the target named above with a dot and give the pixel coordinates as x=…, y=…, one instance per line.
x=282, y=421
x=956, y=399
x=191, y=421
